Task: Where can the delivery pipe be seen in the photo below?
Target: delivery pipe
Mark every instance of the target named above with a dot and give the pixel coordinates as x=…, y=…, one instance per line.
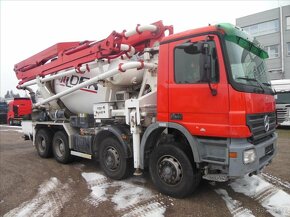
x=130, y=51
x=83, y=68
x=122, y=68
x=139, y=29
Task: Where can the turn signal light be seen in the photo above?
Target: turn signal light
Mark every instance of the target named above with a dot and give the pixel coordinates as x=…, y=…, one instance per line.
x=233, y=155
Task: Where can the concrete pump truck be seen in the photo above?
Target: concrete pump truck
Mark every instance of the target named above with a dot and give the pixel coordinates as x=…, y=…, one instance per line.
x=186, y=106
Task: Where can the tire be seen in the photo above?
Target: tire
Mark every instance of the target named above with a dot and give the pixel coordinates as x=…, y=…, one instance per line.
x=43, y=143
x=113, y=161
x=60, y=148
x=172, y=171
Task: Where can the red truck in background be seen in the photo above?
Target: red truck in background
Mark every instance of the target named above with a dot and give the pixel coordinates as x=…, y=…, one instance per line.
x=18, y=109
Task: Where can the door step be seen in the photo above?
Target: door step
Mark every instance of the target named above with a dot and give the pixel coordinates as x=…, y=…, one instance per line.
x=80, y=154
x=216, y=177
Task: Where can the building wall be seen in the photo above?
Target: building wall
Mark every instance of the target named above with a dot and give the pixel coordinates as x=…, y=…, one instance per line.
x=275, y=64
x=286, y=33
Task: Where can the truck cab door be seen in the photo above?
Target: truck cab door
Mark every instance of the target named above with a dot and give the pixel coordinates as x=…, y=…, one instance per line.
x=191, y=101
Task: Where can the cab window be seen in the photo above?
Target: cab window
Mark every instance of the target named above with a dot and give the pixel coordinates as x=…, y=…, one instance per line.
x=189, y=67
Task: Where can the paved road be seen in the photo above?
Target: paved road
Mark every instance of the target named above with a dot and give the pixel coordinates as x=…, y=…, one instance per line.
x=32, y=186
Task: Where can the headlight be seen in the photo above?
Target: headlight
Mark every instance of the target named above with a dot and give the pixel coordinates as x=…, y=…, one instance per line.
x=249, y=156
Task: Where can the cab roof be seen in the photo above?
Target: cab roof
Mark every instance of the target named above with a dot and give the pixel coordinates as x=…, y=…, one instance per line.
x=231, y=33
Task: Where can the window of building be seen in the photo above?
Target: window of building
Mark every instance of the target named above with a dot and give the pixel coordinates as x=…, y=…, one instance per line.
x=263, y=28
x=287, y=22
x=188, y=66
x=288, y=48
x=273, y=51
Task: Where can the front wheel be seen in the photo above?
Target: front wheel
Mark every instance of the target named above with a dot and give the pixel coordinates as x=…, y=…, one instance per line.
x=60, y=147
x=172, y=171
x=112, y=159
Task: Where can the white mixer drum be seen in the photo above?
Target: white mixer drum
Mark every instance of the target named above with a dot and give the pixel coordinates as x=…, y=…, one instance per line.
x=81, y=101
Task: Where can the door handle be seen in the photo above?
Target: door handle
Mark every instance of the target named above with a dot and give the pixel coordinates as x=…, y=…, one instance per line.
x=176, y=116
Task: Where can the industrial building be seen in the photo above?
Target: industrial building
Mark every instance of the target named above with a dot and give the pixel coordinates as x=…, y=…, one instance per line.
x=272, y=29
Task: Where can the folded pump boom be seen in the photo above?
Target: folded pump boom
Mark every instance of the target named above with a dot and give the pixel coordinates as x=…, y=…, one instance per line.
x=68, y=55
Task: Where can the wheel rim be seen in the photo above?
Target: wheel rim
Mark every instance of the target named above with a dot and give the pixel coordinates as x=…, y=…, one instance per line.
x=169, y=170
x=59, y=147
x=42, y=144
x=111, y=158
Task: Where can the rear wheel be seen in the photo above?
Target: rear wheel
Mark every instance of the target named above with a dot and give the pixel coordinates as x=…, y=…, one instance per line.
x=112, y=159
x=43, y=143
x=172, y=171
x=60, y=147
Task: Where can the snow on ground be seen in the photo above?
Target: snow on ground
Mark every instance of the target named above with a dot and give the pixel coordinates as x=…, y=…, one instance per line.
x=274, y=200
x=8, y=126
x=235, y=207
x=154, y=209
x=129, y=198
x=15, y=130
x=49, y=200
x=275, y=180
x=98, y=184
x=129, y=194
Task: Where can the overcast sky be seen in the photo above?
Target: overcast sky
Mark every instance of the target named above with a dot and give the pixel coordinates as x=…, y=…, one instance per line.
x=28, y=27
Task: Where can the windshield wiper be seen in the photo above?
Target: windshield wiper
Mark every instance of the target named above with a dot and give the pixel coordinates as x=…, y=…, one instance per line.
x=252, y=79
x=267, y=84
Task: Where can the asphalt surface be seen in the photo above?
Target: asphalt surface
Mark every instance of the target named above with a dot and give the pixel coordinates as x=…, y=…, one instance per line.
x=32, y=186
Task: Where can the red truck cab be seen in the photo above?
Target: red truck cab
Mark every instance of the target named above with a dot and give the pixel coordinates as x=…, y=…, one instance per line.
x=212, y=83
x=18, y=109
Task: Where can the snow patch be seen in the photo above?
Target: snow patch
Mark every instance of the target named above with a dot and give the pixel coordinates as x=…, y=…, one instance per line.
x=154, y=209
x=9, y=126
x=274, y=200
x=15, y=130
x=98, y=184
x=276, y=180
x=129, y=194
x=127, y=197
x=235, y=207
x=49, y=200
x=278, y=204
x=92, y=178
x=250, y=186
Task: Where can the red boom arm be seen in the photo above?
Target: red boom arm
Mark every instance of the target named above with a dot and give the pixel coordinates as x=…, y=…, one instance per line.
x=74, y=54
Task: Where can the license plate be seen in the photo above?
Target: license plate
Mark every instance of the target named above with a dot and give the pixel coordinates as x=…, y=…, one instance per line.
x=269, y=149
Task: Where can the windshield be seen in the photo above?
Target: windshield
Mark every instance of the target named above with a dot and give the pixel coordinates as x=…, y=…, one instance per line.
x=283, y=98
x=247, y=68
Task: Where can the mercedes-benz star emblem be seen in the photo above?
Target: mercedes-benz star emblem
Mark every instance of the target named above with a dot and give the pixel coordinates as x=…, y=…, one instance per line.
x=266, y=123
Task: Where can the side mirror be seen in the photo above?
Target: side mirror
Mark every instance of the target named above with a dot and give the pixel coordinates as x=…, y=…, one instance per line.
x=206, y=59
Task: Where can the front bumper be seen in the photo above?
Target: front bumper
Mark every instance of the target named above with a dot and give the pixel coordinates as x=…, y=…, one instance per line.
x=264, y=155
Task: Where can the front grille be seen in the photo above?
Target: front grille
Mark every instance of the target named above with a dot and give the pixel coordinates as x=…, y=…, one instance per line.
x=257, y=126
x=281, y=114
